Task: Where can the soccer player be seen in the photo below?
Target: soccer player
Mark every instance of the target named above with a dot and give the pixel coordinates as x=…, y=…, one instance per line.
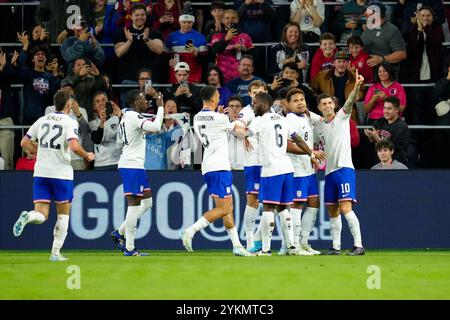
x=305, y=183
x=212, y=129
x=252, y=168
x=136, y=187
x=276, y=191
x=51, y=138
x=333, y=130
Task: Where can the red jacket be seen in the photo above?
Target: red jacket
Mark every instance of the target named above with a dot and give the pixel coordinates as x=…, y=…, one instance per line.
x=25, y=164
x=360, y=62
x=354, y=134
x=320, y=62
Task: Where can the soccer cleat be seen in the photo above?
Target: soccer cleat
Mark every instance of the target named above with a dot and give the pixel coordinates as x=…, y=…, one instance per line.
x=257, y=246
x=59, y=257
x=119, y=240
x=187, y=241
x=302, y=252
x=264, y=253
x=20, y=224
x=134, y=253
x=241, y=252
x=356, y=251
x=283, y=251
x=291, y=251
x=332, y=252
x=309, y=249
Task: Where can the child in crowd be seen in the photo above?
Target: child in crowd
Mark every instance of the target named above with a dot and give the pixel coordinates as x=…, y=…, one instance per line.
x=358, y=58
x=323, y=58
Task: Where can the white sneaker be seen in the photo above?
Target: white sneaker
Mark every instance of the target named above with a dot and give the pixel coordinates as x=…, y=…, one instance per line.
x=302, y=252
x=20, y=224
x=59, y=257
x=241, y=252
x=309, y=249
x=187, y=241
x=264, y=254
x=283, y=251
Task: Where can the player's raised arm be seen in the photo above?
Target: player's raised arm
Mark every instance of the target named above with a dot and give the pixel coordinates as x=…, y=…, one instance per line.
x=156, y=124
x=348, y=106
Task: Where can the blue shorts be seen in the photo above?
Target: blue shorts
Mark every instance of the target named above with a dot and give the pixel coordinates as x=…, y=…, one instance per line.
x=252, y=178
x=48, y=189
x=305, y=187
x=277, y=189
x=219, y=183
x=340, y=186
x=135, y=181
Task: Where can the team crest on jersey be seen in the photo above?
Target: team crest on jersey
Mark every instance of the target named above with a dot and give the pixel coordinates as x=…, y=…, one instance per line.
x=360, y=64
x=75, y=131
x=299, y=193
x=142, y=188
x=256, y=186
x=114, y=126
x=393, y=91
x=228, y=190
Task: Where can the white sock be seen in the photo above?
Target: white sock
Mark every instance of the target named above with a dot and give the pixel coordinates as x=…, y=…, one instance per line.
x=308, y=221
x=197, y=226
x=234, y=237
x=353, y=224
x=146, y=204
x=35, y=217
x=257, y=235
x=286, y=226
x=122, y=228
x=250, y=214
x=267, y=226
x=131, y=219
x=60, y=233
x=297, y=225
x=336, y=228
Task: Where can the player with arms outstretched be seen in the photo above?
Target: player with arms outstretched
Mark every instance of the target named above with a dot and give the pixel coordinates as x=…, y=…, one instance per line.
x=136, y=187
x=56, y=134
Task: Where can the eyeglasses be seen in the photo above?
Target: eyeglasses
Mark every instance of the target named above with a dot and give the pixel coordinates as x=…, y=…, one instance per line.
x=145, y=78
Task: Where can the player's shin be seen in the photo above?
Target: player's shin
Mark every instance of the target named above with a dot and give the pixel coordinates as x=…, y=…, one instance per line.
x=131, y=219
x=197, y=226
x=249, y=218
x=60, y=233
x=335, y=229
x=234, y=237
x=267, y=226
x=353, y=224
x=297, y=225
x=146, y=204
x=286, y=226
x=308, y=221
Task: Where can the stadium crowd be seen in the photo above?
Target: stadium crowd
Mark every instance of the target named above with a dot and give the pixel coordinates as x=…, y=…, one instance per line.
x=175, y=47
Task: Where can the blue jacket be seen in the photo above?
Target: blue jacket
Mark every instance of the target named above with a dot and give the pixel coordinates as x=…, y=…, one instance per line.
x=156, y=148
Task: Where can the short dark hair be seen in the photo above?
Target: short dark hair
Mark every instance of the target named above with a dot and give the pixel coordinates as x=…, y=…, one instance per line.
x=132, y=96
x=207, y=92
x=384, y=144
x=138, y=74
x=219, y=72
x=249, y=57
x=97, y=93
x=291, y=65
x=235, y=98
x=60, y=99
x=138, y=6
x=264, y=97
x=327, y=36
x=291, y=92
x=323, y=96
x=355, y=40
x=394, y=100
x=217, y=4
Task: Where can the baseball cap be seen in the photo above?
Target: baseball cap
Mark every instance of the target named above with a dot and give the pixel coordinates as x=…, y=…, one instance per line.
x=341, y=55
x=66, y=83
x=182, y=66
x=186, y=17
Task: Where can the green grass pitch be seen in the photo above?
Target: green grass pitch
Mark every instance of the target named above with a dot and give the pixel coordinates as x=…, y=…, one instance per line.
x=418, y=274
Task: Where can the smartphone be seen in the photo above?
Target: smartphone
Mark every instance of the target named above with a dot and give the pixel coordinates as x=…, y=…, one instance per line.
x=233, y=26
x=184, y=83
x=286, y=82
x=189, y=41
x=109, y=109
x=148, y=84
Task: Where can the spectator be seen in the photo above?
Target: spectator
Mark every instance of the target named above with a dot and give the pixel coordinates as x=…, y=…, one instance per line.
x=188, y=46
x=385, y=150
x=290, y=49
x=229, y=45
x=27, y=162
x=256, y=17
x=289, y=79
x=309, y=14
x=104, y=26
x=323, y=58
x=55, y=17
x=87, y=80
x=358, y=58
x=39, y=85
x=166, y=14
x=159, y=145
x=7, y=72
x=82, y=45
x=392, y=127
x=384, y=87
x=351, y=19
x=40, y=37
x=136, y=47
x=425, y=63
x=146, y=85
x=185, y=94
x=104, y=130
x=338, y=81
x=235, y=144
x=384, y=42
x=215, y=78
x=408, y=9
x=214, y=25
x=80, y=115
x=239, y=85
x=125, y=8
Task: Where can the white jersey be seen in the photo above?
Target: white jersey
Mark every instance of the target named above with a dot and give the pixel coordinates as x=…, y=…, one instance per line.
x=273, y=131
x=53, y=133
x=335, y=138
x=303, y=127
x=132, y=129
x=237, y=152
x=107, y=153
x=247, y=115
x=212, y=129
